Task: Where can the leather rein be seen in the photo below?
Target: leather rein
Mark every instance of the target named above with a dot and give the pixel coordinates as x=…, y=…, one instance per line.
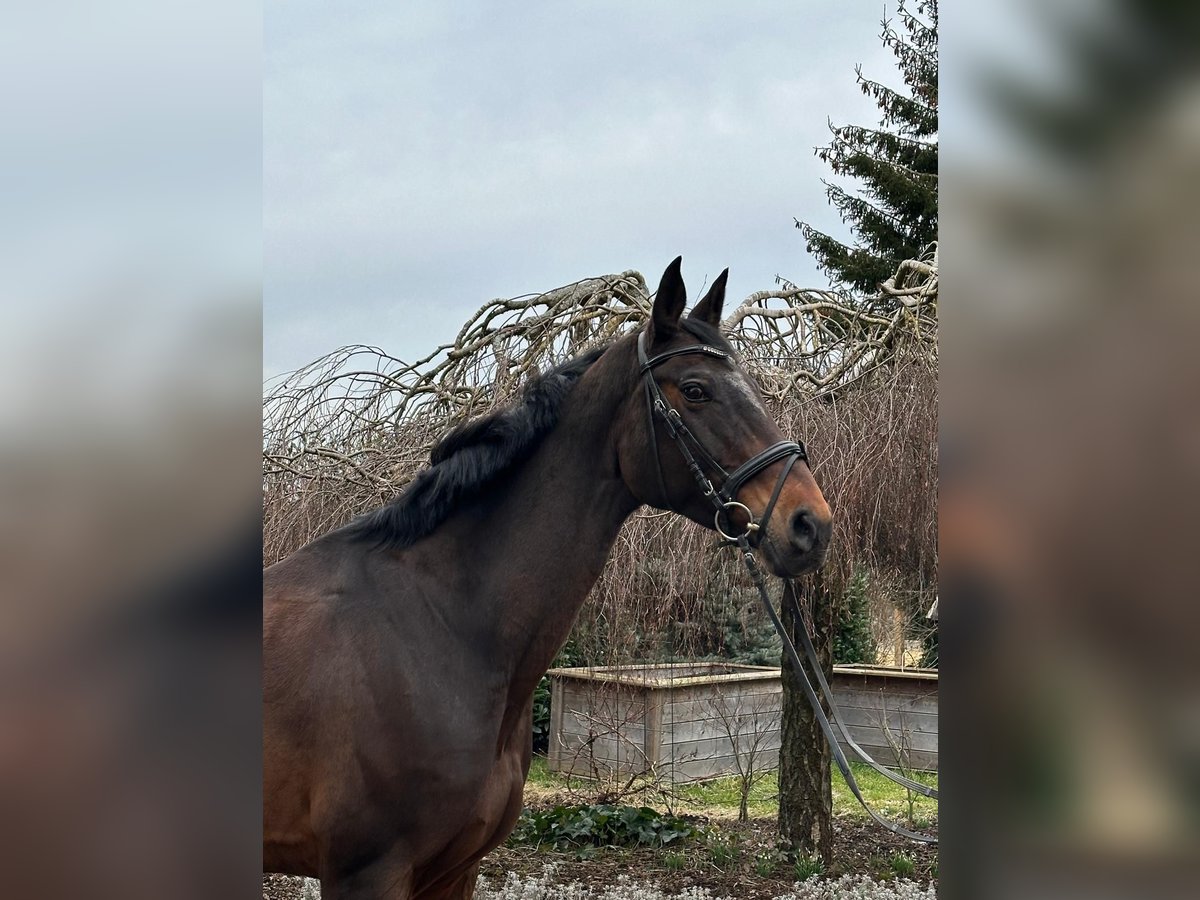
x=724, y=500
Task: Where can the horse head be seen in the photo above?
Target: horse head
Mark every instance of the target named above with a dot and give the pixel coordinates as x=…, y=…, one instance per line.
x=696, y=438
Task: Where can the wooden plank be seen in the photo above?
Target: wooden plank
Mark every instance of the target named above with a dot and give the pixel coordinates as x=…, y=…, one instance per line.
x=681, y=732
x=701, y=769
x=606, y=710
x=702, y=728
x=553, y=752
x=704, y=749
x=716, y=767
x=909, y=673
x=612, y=747
x=582, y=767
x=865, y=724
x=607, y=713
x=694, y=731
x=658, y=675
x=610, y=752
x=707, y=691
x=864, y=700
x=701, y=709
x=884, y=685
x=581, y=723
x=875, y=737
x=879, y=710
x=889, y=685
x=763, y=708
x=883, y=753
x=577, y=726
x=898, y=720
x=915, y=689
x=655, y=701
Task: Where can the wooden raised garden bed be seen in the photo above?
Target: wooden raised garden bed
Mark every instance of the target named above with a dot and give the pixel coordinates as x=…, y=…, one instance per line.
x=692, y=721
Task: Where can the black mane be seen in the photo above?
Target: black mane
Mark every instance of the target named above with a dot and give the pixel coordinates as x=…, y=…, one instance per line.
x=471, y=456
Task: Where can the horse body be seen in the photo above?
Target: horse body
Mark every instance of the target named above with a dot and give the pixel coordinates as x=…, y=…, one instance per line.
x=387, y=672
x=398, y=677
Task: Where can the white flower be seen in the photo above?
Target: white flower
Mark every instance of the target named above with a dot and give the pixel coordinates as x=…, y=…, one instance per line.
x=544, y=887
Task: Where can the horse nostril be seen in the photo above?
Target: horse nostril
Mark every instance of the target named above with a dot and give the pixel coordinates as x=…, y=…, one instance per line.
x=804, y=530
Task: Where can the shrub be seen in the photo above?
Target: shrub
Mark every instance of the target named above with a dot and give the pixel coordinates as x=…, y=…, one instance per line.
x=929, y=643
x=601, y=825
x=541, y=716
x=748, y=637
x=853, y=641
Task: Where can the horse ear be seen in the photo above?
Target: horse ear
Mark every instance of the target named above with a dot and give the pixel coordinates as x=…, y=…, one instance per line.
x=668, y=303
x=709, y=308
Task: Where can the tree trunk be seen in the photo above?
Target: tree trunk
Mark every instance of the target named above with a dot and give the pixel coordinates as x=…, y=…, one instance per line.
x=805, y=789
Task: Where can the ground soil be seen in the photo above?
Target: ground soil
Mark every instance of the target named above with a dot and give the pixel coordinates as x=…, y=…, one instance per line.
x=860, y=847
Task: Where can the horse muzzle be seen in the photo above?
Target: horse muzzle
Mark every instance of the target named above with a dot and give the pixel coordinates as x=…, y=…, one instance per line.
x=797, y=545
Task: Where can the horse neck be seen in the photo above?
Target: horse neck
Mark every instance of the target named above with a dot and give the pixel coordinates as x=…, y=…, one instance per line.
x=543, y=538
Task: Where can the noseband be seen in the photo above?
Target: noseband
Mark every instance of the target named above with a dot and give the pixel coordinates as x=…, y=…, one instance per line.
x=723, y=499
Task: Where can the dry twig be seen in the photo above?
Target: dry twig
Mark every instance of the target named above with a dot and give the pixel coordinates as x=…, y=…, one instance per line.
x=345, y=433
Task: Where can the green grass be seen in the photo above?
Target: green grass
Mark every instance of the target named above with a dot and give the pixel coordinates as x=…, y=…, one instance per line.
x=675, y=862
x=768, y=862
x=886, y=797
x=902, y=866
x=725, y=794
x=720, y=796
x=808, y=866
x=724, y=854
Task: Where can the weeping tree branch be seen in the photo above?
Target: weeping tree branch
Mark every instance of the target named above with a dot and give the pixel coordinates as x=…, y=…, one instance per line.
x=345, y=433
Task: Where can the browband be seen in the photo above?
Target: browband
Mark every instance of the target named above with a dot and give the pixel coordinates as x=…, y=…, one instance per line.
x=647, y=365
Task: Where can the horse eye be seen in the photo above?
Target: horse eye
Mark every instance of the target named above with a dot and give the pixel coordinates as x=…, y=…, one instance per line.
x=694, y=392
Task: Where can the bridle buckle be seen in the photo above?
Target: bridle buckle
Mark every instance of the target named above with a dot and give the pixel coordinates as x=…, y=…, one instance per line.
x=674, y=420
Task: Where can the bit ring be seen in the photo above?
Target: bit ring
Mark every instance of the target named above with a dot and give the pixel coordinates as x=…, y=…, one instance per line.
x=751, y=527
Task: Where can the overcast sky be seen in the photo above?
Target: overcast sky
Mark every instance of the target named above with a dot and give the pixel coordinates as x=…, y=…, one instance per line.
x=421, y=159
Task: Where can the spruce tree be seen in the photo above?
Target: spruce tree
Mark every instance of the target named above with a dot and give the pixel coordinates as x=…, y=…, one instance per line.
x=893, y=214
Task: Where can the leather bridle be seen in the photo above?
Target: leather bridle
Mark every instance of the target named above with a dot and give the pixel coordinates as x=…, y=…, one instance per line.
x=724, y=499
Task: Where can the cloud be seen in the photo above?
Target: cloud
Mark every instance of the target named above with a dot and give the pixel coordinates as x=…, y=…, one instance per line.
x=416, y=165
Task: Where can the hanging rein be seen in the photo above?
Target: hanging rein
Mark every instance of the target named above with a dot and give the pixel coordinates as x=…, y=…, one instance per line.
x=724, y=500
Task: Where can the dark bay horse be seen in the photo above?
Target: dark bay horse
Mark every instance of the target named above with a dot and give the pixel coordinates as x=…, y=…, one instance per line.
x=401, y=651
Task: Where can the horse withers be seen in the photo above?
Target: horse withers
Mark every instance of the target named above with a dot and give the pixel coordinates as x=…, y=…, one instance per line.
x=401, y=652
